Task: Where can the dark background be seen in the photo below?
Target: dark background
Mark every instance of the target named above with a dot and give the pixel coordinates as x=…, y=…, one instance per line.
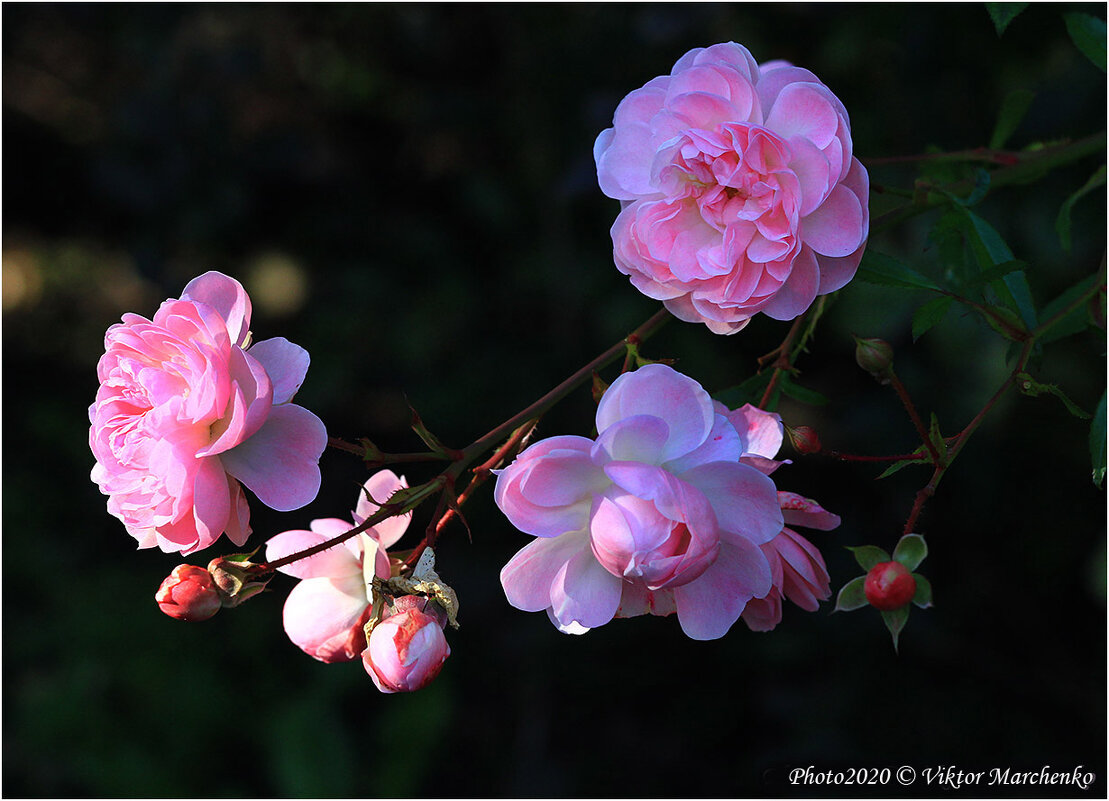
x=409, y=193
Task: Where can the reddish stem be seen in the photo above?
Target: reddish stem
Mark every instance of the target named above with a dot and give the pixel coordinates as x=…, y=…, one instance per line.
x=897, y=457
x=445, y=480
x=922, y=496
x=481, y=474
x=1004, y=157
x=784, y=361
x=918, y=423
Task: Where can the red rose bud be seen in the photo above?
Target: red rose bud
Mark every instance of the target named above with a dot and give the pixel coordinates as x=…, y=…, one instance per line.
x=876, y=357
x=889, y=585
x=804, y=439
x=188, y=594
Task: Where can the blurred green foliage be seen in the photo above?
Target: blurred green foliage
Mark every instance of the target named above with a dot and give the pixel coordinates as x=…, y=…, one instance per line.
x=408, y=191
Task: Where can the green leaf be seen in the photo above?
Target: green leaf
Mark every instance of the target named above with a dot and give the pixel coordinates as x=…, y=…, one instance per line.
x=1062, y=222
x=877, y=268
x=895, y=620
x=923, y=595
x=750, y=391
x=910, y=551
x=1078, y=319
x=1097, y=442
x=1009, y=326
x=981, y=187
x=904, y=463
x=241, y=557
x=852, y=595
x=936, y=437
x=1004, y=13
x=1033, y=388
x=868, y=555
x=1088, y=35
x=1013, y=108
x=929, y=314
x=424, y=434
x=990, y=250
x=800, y=393
x=946, y=234
x=991, y=274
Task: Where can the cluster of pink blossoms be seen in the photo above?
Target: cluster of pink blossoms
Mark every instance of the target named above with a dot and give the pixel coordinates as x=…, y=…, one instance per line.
x=670, y=510
x=740, y=195
x=188, y=408
x=739, y=190
x=326, y=612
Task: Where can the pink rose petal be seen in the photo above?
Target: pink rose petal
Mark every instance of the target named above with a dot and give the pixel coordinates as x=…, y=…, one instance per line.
x=585, y=593
x=227, y=297
x=280, y=463
x=286, y=365
x=708, y=607
x=836, y=228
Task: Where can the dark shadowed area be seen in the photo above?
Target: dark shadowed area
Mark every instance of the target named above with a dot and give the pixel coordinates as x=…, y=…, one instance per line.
x=408, y=191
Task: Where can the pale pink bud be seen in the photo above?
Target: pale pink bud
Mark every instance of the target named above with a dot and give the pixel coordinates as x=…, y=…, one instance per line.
x=408, y=648
x=188, y=594
x=876, y=357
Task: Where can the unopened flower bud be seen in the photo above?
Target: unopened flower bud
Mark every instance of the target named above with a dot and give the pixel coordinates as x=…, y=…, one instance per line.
x=889, y=585
x=876, y=357
x=804, y=439
x=407, y=649
x=188, y=593
x=236, y=579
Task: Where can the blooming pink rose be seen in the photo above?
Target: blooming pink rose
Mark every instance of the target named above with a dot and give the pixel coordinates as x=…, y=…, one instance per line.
x=325, y=612
x=407, y=649
x=659, y=514
x=739, y=191
x=188, y=593
x=187, y=409
x=797, y=568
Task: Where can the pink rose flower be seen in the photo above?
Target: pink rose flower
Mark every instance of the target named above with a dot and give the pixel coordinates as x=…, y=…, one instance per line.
x=325, y=612
x=739, y=191
x=659, y=514
x=188, y=593
x=187, y=409
x=407, y=649
x=798, y=569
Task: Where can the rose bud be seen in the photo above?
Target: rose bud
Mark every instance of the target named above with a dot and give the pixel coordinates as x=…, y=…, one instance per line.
x=407, y=649
x=804, y=439
x=889, y=585
x=188, y=594
x=876, y=357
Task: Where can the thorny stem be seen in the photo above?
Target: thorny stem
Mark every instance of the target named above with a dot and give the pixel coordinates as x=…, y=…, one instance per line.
x=342, y=445
x=897, y=457
x=537, y=409
x=918, y=423
x=386, y=510
x=446, y=479
x=783, y=362
x=787, y=352
x=385, y=458
x=480, y=476
x=960, y=440
x=999, y=321
x=1006, y=157
x=1028, y=166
